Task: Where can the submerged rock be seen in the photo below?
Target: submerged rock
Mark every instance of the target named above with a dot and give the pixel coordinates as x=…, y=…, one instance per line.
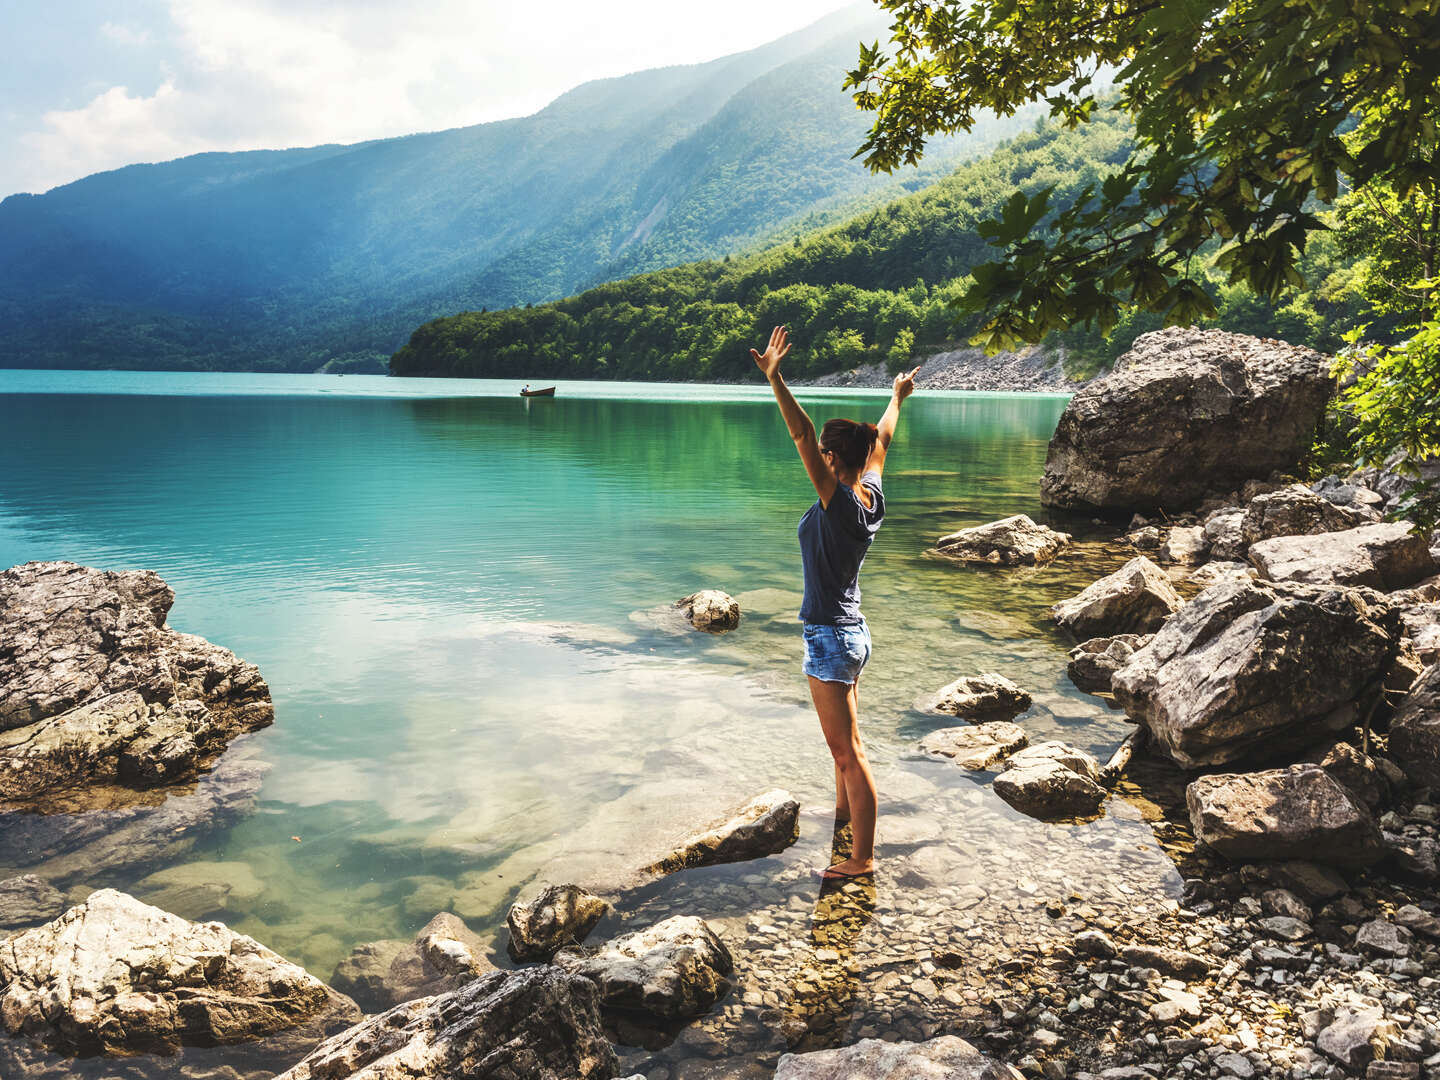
x=1415, y=731
x=1295, y=511
x=1251, y=667
x=1183, y=413
x=1013, y=541
x=947, y=1057
x=562, y=915
x=1135, y=599
x=1093, y=663
x=676, y=968
x=1385, y=555
x=117, y=976
x=767, y=824
x=1300, y=812
x=989, y=696
x=444, y=956
x=539, y=1023
x=710, y=610
x=95, y=687
x=28, y=901
x=1050, y=780
x=977, y=747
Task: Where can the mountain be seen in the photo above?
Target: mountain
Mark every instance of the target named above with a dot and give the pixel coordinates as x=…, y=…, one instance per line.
x=877, y=287
x=292, y=259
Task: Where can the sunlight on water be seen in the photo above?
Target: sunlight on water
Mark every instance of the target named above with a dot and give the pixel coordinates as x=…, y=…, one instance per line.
x=452, y=594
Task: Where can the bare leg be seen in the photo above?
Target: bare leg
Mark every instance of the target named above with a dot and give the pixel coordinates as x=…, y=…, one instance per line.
x=842, y=799
x=836, y=705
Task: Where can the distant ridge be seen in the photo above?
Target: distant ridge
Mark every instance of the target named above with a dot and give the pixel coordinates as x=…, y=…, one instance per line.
x=331, y=255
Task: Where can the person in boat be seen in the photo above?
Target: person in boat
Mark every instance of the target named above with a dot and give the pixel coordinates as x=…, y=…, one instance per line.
x=525, y=389
x=844, y=462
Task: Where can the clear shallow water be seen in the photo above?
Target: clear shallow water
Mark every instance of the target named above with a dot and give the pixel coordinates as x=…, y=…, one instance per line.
x=451, y=592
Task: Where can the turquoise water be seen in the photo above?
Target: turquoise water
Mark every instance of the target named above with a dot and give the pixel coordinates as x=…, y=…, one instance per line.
x=453, y=594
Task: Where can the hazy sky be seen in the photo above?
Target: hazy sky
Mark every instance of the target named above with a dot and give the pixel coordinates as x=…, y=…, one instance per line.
x=95, y=84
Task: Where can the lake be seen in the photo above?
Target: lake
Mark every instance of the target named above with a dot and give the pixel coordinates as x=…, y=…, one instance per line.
x=455, y=596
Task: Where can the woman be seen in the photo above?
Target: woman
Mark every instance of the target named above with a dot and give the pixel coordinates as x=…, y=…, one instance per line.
x=844, y=464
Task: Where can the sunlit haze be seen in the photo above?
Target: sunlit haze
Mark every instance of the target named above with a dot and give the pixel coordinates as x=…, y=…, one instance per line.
x=95, y=85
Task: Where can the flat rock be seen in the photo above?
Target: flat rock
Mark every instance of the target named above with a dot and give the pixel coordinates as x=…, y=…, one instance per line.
x=1357, y=1035
x=978, y=697
x=767, y=824
x=1093, y=662
x=443, y=956
x=1296, y=511
x=538, y=1023
x=1051, y=780
x=95, y=687
x=1176, y=963
x=1292, y=813
x=979, y=747
x=945, y=1058
x=1221, y=571
x=1183, y=413
x=28, y=900
x=674, y=969
x=1186, y=545
x=1383, y=938
x=1384, y=555
x=560, y=916
x=1136, y=599
x=116, y=976
x=194, y=890
x=1011, y=541
x=1415, y=731
x=710, y=610
x=1253, y=669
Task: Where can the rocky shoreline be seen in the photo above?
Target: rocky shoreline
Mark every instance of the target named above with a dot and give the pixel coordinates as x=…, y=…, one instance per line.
x=1275, y=645
x=1034, y=370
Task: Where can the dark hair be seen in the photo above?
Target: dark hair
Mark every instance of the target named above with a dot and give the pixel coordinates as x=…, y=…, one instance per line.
x=851, y=441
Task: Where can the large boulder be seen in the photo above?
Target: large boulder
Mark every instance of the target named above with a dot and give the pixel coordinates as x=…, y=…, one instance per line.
x=767, y=824
x=536, y=1024
x=560, y=916
x=1185, y=412
x=1300, y=812
x=1295, y=511
x=1384, y=555
x=1415, y=731
x=1135, y=599
x=1093, y=662
x=117, y=976
x=673, y=969
x=1013, y=541
x=443, y=956
x=1253, y=668
x=1051, y=780
x=947, y=1057
x=977, y=747
x=978, y=697
x=95, y=687
x=710, y=610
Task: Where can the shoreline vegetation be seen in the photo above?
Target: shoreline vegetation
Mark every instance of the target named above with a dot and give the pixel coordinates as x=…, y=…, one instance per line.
x=1275, y=644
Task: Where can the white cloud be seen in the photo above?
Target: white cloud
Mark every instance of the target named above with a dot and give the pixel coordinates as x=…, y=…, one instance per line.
x=278, y=73
x=123, y=34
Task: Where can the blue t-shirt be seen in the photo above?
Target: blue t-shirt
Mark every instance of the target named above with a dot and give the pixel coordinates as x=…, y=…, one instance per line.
x=833, y=543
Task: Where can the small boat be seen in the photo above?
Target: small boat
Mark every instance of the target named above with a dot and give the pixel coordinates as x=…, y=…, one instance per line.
x=544, y=391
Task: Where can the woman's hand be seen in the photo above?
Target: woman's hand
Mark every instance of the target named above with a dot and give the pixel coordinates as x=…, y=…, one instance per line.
x=776, y=351
x=904, y=384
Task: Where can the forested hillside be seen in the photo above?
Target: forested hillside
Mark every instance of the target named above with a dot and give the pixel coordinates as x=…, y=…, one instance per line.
x=877, y=287
x=289, y=260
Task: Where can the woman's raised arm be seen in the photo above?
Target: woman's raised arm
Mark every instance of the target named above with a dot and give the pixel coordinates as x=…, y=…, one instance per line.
x=802, y=429
x=902, y=388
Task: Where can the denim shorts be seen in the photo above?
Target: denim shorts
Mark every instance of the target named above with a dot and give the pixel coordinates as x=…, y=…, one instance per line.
x=836, y=653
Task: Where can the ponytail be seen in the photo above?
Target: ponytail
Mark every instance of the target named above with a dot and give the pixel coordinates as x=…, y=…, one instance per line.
x=849, y=440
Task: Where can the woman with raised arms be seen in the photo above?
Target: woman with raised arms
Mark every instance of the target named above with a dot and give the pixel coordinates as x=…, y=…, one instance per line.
x=844, y=463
